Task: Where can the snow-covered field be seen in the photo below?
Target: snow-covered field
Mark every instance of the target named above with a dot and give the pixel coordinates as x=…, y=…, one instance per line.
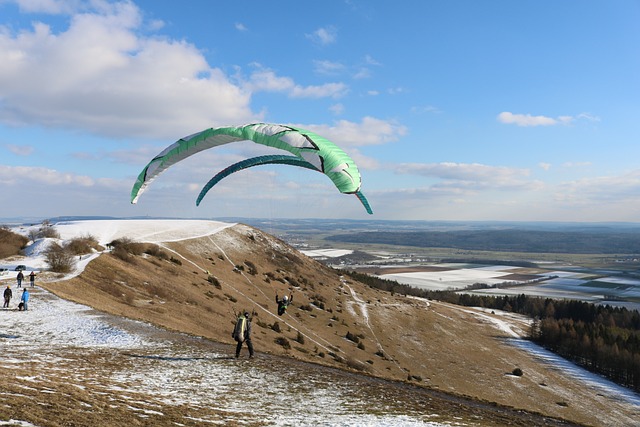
x=456, y=278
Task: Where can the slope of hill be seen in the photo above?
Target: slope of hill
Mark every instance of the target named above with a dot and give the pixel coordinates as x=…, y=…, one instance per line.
x=222, y=268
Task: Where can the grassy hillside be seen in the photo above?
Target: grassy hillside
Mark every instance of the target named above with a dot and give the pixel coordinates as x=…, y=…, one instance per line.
x=334, y=321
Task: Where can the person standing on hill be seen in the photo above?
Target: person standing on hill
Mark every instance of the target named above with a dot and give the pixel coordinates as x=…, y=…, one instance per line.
x=8, y=293
x=20, y=278
x=32, y=279
x=242, y=333
x=25, y=299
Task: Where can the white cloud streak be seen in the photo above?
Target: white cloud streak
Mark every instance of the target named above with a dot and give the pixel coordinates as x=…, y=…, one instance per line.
x=265, y=80
x=370, y=131
x=20, y=150
x=324, y=36
x=527, y=120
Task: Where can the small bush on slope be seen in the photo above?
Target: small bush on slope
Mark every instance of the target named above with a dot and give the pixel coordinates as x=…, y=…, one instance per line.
x=11, y=243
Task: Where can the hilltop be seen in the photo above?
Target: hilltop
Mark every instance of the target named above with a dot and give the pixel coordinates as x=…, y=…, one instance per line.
x=210, y=270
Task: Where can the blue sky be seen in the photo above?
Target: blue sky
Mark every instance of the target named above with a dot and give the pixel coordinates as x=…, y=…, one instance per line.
x=453, y=110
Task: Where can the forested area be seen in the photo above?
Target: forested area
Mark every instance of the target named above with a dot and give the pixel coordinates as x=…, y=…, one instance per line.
x=601, y=338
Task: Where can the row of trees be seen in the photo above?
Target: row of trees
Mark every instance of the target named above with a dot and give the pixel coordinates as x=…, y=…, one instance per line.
x=601, y=338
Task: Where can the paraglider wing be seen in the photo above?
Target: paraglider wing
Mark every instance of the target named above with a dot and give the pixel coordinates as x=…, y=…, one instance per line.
x=315, y=150
x=265, y=160
x=254, y=161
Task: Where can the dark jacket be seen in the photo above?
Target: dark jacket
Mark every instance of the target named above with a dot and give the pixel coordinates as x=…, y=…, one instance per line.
x=8, y=293
x=282, y=304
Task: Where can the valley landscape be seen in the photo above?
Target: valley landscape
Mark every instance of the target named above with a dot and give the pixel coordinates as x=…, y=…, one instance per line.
x=454, y=363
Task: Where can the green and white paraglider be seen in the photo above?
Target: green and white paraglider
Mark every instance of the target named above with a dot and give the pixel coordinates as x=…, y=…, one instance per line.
x=311, y=151
x=266, y=160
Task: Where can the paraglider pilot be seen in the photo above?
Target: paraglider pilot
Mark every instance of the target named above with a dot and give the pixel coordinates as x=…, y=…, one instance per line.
x=283, y=303
x=242, y=333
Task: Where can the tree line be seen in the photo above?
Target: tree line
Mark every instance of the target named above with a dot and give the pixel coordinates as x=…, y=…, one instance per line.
x=600, y=338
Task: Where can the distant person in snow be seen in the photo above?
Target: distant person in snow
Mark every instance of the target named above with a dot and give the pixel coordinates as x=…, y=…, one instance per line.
x=242, y=333
x=24, y=300
x=20, y=278
x=283, y=303
x=32, y=279
x=8, y=293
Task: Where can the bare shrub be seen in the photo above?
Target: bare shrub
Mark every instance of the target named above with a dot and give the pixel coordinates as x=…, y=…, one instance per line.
x=121, y=253
x=60, y=260
x=352, y=337
x=45, y=230
x=129, y=245
x=159, y=291
x=283, y=342
x=82, y=245
x=215, y=282
x=251, y=268
x=11, y=243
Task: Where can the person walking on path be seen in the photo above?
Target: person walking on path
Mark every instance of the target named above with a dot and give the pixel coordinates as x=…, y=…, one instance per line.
x=20, y=278
x=242, y=333
x=25, y=299
x=8, y=293
x=32, y=279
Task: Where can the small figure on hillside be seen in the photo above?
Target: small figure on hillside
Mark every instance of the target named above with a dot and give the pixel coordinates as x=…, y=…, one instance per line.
x=24, y=301
x=242, y=333
x=20, y=278
x=32, y=279
x=8, y=294
x=283, y=303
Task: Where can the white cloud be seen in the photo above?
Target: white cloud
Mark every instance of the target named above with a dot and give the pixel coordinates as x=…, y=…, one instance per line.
x=588, y=116
x=370, y=60
x=362, y=73
x=337, y=109
x=576, y=164
x=55, y=7
x=426, y=109
x=101, y=76
x=529, y=120
x=545, y=166
x=324, y=36
x=328, y=67
x=265, y=80
x=601, y=192
x=470, y=175
x=20, y=150
x=240, y=27
x=396, y=90
x=370, y=131
x=12, y=175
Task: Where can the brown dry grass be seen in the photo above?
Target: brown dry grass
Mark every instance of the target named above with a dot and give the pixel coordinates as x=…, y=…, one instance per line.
x=437, y=346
